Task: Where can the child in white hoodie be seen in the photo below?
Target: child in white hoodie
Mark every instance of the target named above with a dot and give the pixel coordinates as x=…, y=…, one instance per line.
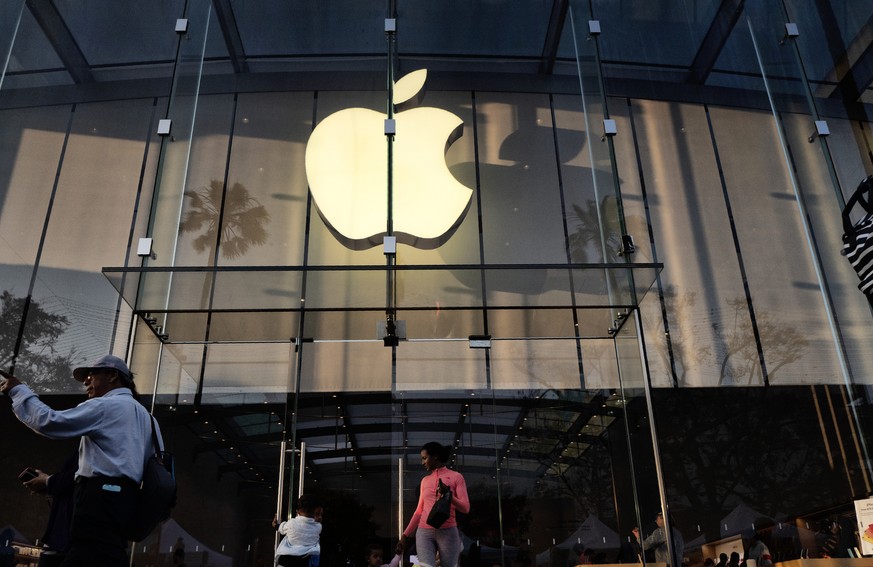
x=301, y=534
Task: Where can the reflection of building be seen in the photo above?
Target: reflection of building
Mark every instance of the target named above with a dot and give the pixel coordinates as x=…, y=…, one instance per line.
x=757, y=352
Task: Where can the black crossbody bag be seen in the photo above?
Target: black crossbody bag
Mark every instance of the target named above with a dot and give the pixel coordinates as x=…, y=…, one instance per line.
x=157, y=493
x=442, y=508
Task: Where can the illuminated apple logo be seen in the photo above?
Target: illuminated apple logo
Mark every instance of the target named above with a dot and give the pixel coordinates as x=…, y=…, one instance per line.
x=347, y=170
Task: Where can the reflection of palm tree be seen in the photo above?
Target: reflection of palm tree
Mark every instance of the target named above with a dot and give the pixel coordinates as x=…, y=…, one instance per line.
x=596, y=231
x=588, y=234
x=242, y=224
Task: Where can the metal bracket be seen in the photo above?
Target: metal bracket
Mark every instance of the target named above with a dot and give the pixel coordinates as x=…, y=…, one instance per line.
x=821, y=129
x=627, y=245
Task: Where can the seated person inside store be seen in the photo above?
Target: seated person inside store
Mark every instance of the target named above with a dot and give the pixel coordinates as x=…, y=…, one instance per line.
x=300, y=545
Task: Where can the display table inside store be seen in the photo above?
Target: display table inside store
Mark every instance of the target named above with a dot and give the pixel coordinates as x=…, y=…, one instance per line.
x=26, y=554
x=833, y=562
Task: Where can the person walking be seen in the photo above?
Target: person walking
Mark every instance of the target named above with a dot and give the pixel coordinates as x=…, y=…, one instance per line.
x=116, y=432
x=446, y=538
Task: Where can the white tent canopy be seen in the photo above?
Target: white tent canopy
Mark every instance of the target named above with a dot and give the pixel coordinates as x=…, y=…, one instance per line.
x=172, y=533
x=741, y=519
x=592, y=533
x=14, y=535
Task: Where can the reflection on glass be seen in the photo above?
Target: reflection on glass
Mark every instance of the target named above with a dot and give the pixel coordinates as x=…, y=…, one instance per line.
x=516, y=154
x=39, y=363
x=242, y=219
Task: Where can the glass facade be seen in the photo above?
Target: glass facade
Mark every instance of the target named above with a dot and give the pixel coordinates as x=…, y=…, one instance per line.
x=638, y=307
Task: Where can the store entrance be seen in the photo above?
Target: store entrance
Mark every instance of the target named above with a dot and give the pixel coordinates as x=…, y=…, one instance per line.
x=559, y=465
x=548, y=472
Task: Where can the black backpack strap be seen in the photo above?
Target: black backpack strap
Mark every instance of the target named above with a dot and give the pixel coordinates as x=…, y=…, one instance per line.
x=863, y=196
x=157, y=446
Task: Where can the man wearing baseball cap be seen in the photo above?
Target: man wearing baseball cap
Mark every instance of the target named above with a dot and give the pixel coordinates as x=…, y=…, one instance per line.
x=116, y=433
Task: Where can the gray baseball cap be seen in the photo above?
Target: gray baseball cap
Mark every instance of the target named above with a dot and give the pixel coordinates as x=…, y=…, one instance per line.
x=108, y=362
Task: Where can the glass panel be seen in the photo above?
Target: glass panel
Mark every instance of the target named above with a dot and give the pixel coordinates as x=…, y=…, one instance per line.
x=140, y=35
x=32, y=60
x=30, y=148
x=246, y=374
x=847, y=24
x=720, y=471
x=580, y=198
x=848, y=303
x=177, y=374
x=72, y=294
x=650, y=538
x=657, y=38
x=237, y=454
x=10, y=21
x=350, y=469
x=248, y=326
x=607, y=197
x=853, y=316
x=335, y=366
x=206, y=194
x=173, y=178
x=264, y=215
x=531, y=323
x=334, y=34
x=788, y=299
x=453, y=364
x=703, y=298
x=541, y=364
x=486, y=27
x=516, y=151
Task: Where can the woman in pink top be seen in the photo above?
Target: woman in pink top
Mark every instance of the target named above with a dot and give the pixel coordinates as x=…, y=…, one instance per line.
x=446, y=539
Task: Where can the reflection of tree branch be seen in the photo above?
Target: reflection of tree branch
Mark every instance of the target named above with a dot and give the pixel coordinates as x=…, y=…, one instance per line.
x=38, y=360
x=586, y=481
x=568, y=486
x=739, y=360
x=676, y=306
x=784, y=344
x=717, y=459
